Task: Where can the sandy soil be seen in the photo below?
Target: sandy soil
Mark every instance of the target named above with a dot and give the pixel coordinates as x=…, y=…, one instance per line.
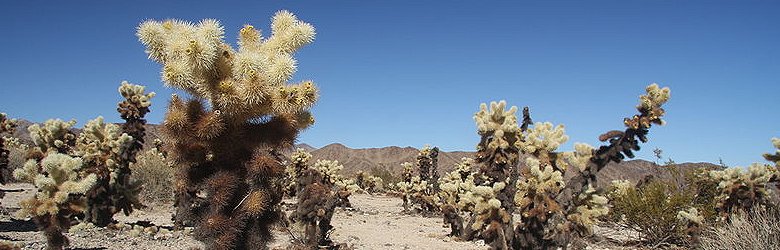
x=376, y=222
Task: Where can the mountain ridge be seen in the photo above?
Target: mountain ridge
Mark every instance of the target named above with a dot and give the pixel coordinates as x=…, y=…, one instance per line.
x=389, y=158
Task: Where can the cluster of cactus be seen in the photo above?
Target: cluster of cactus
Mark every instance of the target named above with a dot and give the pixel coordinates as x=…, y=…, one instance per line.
x=550, y=209
x=741, y=190
x=86, y=174
x=369, y=183
x=7, y=126
x=420, y=191
x=228, y=182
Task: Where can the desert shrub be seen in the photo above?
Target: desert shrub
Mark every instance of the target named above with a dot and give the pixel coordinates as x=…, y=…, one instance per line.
x=155, y=174
x=387, y=176
x=225, y=142
x=756, y=229
x=652, y=211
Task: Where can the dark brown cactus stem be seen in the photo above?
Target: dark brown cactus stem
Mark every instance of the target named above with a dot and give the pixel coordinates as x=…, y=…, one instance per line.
x=452, y=217
x=52, y=227
x=621, y=145
x=106, y=198
x=6, y=126
x=316, y=205
x=428, y=165
x=500, y=165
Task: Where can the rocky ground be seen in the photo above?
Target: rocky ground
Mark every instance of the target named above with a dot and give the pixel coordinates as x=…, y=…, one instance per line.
x=376, y=222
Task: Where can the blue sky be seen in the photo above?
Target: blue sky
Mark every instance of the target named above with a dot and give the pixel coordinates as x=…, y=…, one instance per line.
x=414, y=73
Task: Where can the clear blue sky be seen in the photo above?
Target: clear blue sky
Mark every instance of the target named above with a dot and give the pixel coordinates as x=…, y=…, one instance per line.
x=409, y=74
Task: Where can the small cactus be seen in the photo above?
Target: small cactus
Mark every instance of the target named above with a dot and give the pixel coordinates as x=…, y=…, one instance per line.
x=60, y=193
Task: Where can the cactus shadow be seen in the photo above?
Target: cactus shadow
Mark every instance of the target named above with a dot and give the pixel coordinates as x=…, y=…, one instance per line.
x=18, y=226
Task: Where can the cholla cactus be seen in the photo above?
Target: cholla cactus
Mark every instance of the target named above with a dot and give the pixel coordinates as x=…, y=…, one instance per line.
x=589, y=161
x=229, y=151
x=427, y=162
x=299, y=161
x=694, y=223
x=321, y=189
x=6, y=126
x=619, y=187
x=316, y=204
x=59, y=196
x=590, y=205
x=55, y=135
x=776, y=159
x=408, y=171
x=329, y=170
x=331, y=176
x=541, y=182
x=452, y=186
x=421, y=191
x=742, y=190
x=108, y=150
x=100, y=146
x=406, y=182
x=550, y=209
x=487, y=196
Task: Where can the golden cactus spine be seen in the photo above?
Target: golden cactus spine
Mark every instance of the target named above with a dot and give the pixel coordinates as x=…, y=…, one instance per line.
x=229, y=151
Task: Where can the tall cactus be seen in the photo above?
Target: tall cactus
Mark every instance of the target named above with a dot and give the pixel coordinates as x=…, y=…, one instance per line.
x=228, y=149
x=497, y=157
x=108, y=150
x=7, y=126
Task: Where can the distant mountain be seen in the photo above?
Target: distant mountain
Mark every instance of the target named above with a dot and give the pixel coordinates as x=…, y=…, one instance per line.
x=390, y=158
